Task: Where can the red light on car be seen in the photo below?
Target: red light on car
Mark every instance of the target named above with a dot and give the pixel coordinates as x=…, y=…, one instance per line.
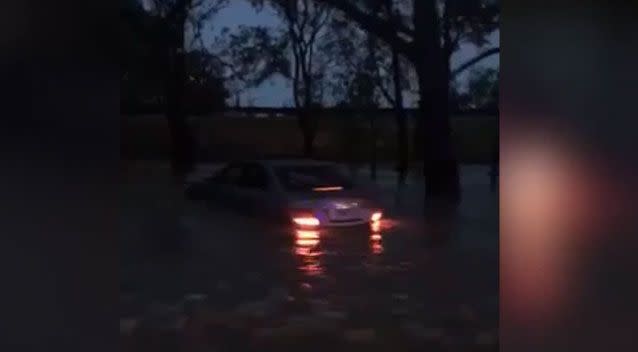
x=307, y=234
x=310, y=221
x=376, y=216
x=328, y=189
x=375, y=226
x=376, y=237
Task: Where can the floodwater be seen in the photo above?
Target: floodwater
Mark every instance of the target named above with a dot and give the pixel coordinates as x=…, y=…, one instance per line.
x=383, y=278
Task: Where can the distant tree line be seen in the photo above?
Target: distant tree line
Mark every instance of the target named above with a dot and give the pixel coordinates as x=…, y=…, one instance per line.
x=158, y=70
x=363, y=53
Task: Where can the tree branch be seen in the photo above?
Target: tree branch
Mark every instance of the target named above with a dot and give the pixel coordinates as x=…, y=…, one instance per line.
x=456, y=40
x=383, y=29
x=173, y=11
x=318, y=24
x=295, y=78
x=473, y=61
x=384, y=91
x=301, y=26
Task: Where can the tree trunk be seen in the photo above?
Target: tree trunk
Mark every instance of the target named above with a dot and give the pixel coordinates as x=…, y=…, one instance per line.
x=402, y=130
x=181, y=138
x=439, y=161
x=440, y=170
x=308, y=131
x=351, y=141
x=402, y=123
x=308, y=144
x=373, y=148
x=307, y=113
x=401, y=118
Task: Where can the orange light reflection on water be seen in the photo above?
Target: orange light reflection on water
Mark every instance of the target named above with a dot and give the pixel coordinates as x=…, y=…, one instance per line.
x=375, y=243
x=377, y=248
x=307, y=234
x=306, y=244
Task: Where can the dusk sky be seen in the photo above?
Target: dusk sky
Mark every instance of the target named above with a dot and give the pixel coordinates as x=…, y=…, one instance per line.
x=277, y=91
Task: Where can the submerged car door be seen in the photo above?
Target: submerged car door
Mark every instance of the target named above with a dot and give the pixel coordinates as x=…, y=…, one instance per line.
x=253, y=191
x=221, y=188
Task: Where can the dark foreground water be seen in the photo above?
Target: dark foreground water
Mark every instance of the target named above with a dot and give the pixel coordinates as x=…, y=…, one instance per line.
x=370, y=286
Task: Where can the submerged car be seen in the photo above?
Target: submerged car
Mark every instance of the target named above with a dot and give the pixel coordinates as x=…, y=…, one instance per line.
x=307, y=193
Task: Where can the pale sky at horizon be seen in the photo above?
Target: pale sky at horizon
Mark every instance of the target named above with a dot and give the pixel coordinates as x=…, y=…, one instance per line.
x=277, y=92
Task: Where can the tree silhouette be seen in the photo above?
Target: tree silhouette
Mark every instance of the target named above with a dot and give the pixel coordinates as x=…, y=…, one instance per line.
x=143, y=63
x=164, y=23
x=355, y=51
x=434, y=32
x=401, y=116
x=291, y=51
x=483, y=88
x=362, y=97
x=204, y=90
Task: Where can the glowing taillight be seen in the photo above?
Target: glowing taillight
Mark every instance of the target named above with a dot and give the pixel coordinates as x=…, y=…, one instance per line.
x=376, y=216
x=375, y=226
x=306, y=221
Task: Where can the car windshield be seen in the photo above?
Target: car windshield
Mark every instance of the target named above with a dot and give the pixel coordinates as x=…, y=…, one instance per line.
x=312, y=177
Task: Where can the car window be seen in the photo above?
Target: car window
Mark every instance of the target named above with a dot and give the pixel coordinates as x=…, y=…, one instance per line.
x=308, y=177
x=233, y=175
x=253, y=176
x=228, y=175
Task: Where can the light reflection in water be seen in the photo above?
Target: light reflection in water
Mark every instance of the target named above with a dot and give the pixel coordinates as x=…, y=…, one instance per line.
x=375, y=227
x=307, y=243
x=306, y=247
x=306, y=251
x=308, y=234
x=375, y=243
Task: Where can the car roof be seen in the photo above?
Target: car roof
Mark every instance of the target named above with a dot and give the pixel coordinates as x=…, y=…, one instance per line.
x=293, y=162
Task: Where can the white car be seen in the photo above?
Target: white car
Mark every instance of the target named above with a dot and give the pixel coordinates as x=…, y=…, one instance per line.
x=306, y=193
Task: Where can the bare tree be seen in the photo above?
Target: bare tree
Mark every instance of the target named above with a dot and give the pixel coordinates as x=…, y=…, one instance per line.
x=305, y=19
x=355, y=51
x=401, y=117
x=175, y=15
x=295, y=45
x=423, y=42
